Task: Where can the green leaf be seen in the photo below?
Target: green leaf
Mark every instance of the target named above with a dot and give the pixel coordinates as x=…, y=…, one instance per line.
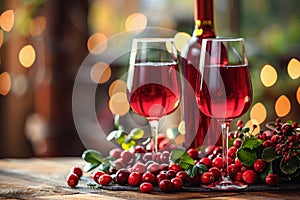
x=269, y=154
x=117, y=121
x=104, y=167
x=245, y=129
x=89, y=167
x=120, y=136
x=185, y=164
x=251, y=143
x=247, y=156
x=176, y=154
x=92, y=156
x=201, y=168
x=127, y=146
x=262, y=175
x=136, y=133
x=192, y=171
x=111, y=135
x=290, y=166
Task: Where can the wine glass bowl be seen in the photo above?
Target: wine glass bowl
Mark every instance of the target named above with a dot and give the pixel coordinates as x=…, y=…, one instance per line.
x=224, y=90
x=153, y=82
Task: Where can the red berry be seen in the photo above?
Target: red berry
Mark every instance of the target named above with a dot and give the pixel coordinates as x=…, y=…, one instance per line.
x=238, y=176
x=122, y=176
x=161, y=176
x=154, y=168
x=72, y=180
x=259, y=165
x=249, y=176
x=177, y=183
x=146, y=187
x=165, y=156
x=134, y=178
x=232, y=170
x=116, y=153
x=193, y=153
x=139, y=167
x=195, y=180
x=272, y=179
x=147, y=157
x=268, y=143
x=148, y=177
x=104, y=179
x=164, y=144
x=139, y=149
x=166, y=185
x=238, y=163
x=244, y=168
x=216, y=172
x=237, y=142
x=76, y=170
x=217, y=162
x=207, y=178
x=232, y=152
x=96, y=175
x=175, y=167
x=126, y=156
x=182, y=175
x=171, y=174
x=206, y=161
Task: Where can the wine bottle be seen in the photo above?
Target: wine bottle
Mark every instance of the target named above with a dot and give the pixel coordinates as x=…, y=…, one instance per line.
x=200, y=129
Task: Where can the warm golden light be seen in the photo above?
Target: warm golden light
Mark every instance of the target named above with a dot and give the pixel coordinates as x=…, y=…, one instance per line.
x=100, y=72
x=180, y=39
x=1, y=38
x=37, y=26
x=258, y=112
x=5, y=83
x=250, y=124
x=181, y=127
x=27, y=56
x=118, y=104
x=282, y=106
x=293, y=68
x=97, y=43
x=7, y=20
x=117, y=86
x=136, y=22
x=268, y=75
x=298, y=95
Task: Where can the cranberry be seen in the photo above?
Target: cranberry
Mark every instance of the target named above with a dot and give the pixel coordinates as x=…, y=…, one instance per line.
x=134, y=178
x=268, y=143
x=122, y=176
x=177, y=183
x=175, y=167
x=238, y=163
x=72, y=180
x=286, y=128
x=244, y=168
x=232, y=152
x=193, y=153
x=148, y=177
x=182, y=175
x=217, y=162
x=275, y=139
x=249, y=176
x=147, y=157
x=272, y=179
x=96, y=175
x=139, y=149
x=126, y=156
x=206, y=161
x=146, y=187
x=171, y=174
x=119, y=164
x=207, y=178
x=116, y=153
x=161, y=176
x=104, y=179
x=259, y=165
x=295, y=125
x=238, y=176
x=164, y=144
x=195, y=180
x=232, y=170
x=237, y=142
x=154, y=168
x=163, y=167
x=166, y=185
x=216, y=172
x=165, y=156
x=76, y=170
x=139, y=167
x=217, y=150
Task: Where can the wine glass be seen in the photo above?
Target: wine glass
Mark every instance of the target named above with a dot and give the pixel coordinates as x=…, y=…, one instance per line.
x=153, y=81
x=224, y=91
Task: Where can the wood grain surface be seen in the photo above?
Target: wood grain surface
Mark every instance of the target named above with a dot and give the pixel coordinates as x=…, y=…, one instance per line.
x=44, y=178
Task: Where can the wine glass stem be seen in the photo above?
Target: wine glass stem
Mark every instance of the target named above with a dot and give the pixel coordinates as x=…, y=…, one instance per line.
x=225, y=129
x=154, y=128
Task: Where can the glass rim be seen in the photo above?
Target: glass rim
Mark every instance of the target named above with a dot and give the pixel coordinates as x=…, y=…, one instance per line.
x=225, y=39
x=153, y=39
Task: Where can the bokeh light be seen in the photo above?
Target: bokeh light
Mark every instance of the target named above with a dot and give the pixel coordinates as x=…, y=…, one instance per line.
x=268, y=75
x=5, y=83
x=282, y=106
x=37, y=26
x=100, y=72
x=117, y=86
x=97, y=43
x=1, y=38
x=250, y=124
x=118, y=104
x=136, y=22
x=7, y=20
x=298, y=94
x=293, y=68
x=258, y=112
x=27, y=56
x=180, y=39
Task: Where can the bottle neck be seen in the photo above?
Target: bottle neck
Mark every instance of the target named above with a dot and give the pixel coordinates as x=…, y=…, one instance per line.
x=203, y=16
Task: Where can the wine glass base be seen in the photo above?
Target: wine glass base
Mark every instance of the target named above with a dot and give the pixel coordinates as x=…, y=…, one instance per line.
x=226, y=185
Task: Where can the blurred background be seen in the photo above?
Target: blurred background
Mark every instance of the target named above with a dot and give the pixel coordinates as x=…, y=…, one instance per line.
x=43, y=43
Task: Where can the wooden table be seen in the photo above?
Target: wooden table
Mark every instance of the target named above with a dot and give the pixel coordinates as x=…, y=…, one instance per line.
x=37, y=178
